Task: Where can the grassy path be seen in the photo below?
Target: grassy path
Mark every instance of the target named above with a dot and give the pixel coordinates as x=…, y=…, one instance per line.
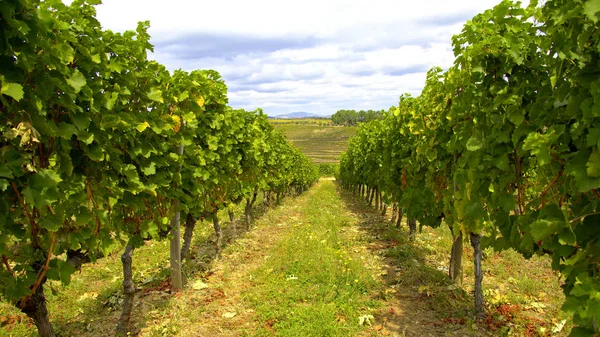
x=325, y=262
x=321, y=264
x=297, y=274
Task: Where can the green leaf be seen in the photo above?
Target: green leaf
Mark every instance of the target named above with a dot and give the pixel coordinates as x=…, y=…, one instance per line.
x=538, y=145
x=149, y=170
x=542, y=229
x=65, y=271
x=66, y=165
x=95, y=152
x=46, y=178
x=155, y=95
x=50, y=222
x=213, y=143
x=77, y=81
x=66, y=130
x=114, y=66
x=583, y=287
x=184, y=95
x=28, y=193
x=593, y=137
x=593, y=164
x=516, y=117
x=81, y=121
x=591, y=8
x=5, y=171
x=85, y=137
x=474, y=143
x=110, y=101
x=502, y=162
x=518, y=59
x=13, y=90
x=96, y=58
x=83, y=217
x=581, y=331
x=577, y=167
x=567, y=237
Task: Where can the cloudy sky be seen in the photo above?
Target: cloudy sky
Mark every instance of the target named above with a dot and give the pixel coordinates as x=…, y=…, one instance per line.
x=317, y=56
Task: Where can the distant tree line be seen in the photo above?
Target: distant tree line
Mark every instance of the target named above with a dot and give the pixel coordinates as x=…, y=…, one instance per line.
x=353, y=117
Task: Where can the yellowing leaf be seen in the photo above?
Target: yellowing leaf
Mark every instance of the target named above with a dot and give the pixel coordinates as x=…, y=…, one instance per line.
x=177, y=121
x=152, y=192
x=142, y=126
x=200, y=101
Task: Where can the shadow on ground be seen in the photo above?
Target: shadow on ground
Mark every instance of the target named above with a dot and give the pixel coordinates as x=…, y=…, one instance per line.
x=418, y=298
x=99, y=312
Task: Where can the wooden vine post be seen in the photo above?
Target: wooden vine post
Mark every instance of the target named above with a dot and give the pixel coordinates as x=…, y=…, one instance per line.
x=176, y=280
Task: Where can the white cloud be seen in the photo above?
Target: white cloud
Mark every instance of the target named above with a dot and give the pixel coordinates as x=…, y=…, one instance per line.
x=315, y=55
x=323, y=52
x=277, y=17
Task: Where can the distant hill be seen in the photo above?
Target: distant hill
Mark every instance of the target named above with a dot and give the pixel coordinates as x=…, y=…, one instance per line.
x=299, y=114
x=323, y=143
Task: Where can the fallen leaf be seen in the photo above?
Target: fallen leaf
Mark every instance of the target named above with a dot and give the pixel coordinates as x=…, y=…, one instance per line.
x=291, y=277
x=365, y=319
x=559, y=326
x=229, y=315
x=88, y=295
x=199, y=285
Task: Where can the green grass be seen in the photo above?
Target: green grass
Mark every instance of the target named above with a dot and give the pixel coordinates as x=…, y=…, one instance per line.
x=313, y=283
x=323, y=144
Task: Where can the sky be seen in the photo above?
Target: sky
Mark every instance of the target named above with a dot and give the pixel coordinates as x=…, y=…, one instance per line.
x=317, y=56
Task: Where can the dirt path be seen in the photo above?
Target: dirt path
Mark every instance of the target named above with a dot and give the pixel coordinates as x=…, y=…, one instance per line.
x=406, y=310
